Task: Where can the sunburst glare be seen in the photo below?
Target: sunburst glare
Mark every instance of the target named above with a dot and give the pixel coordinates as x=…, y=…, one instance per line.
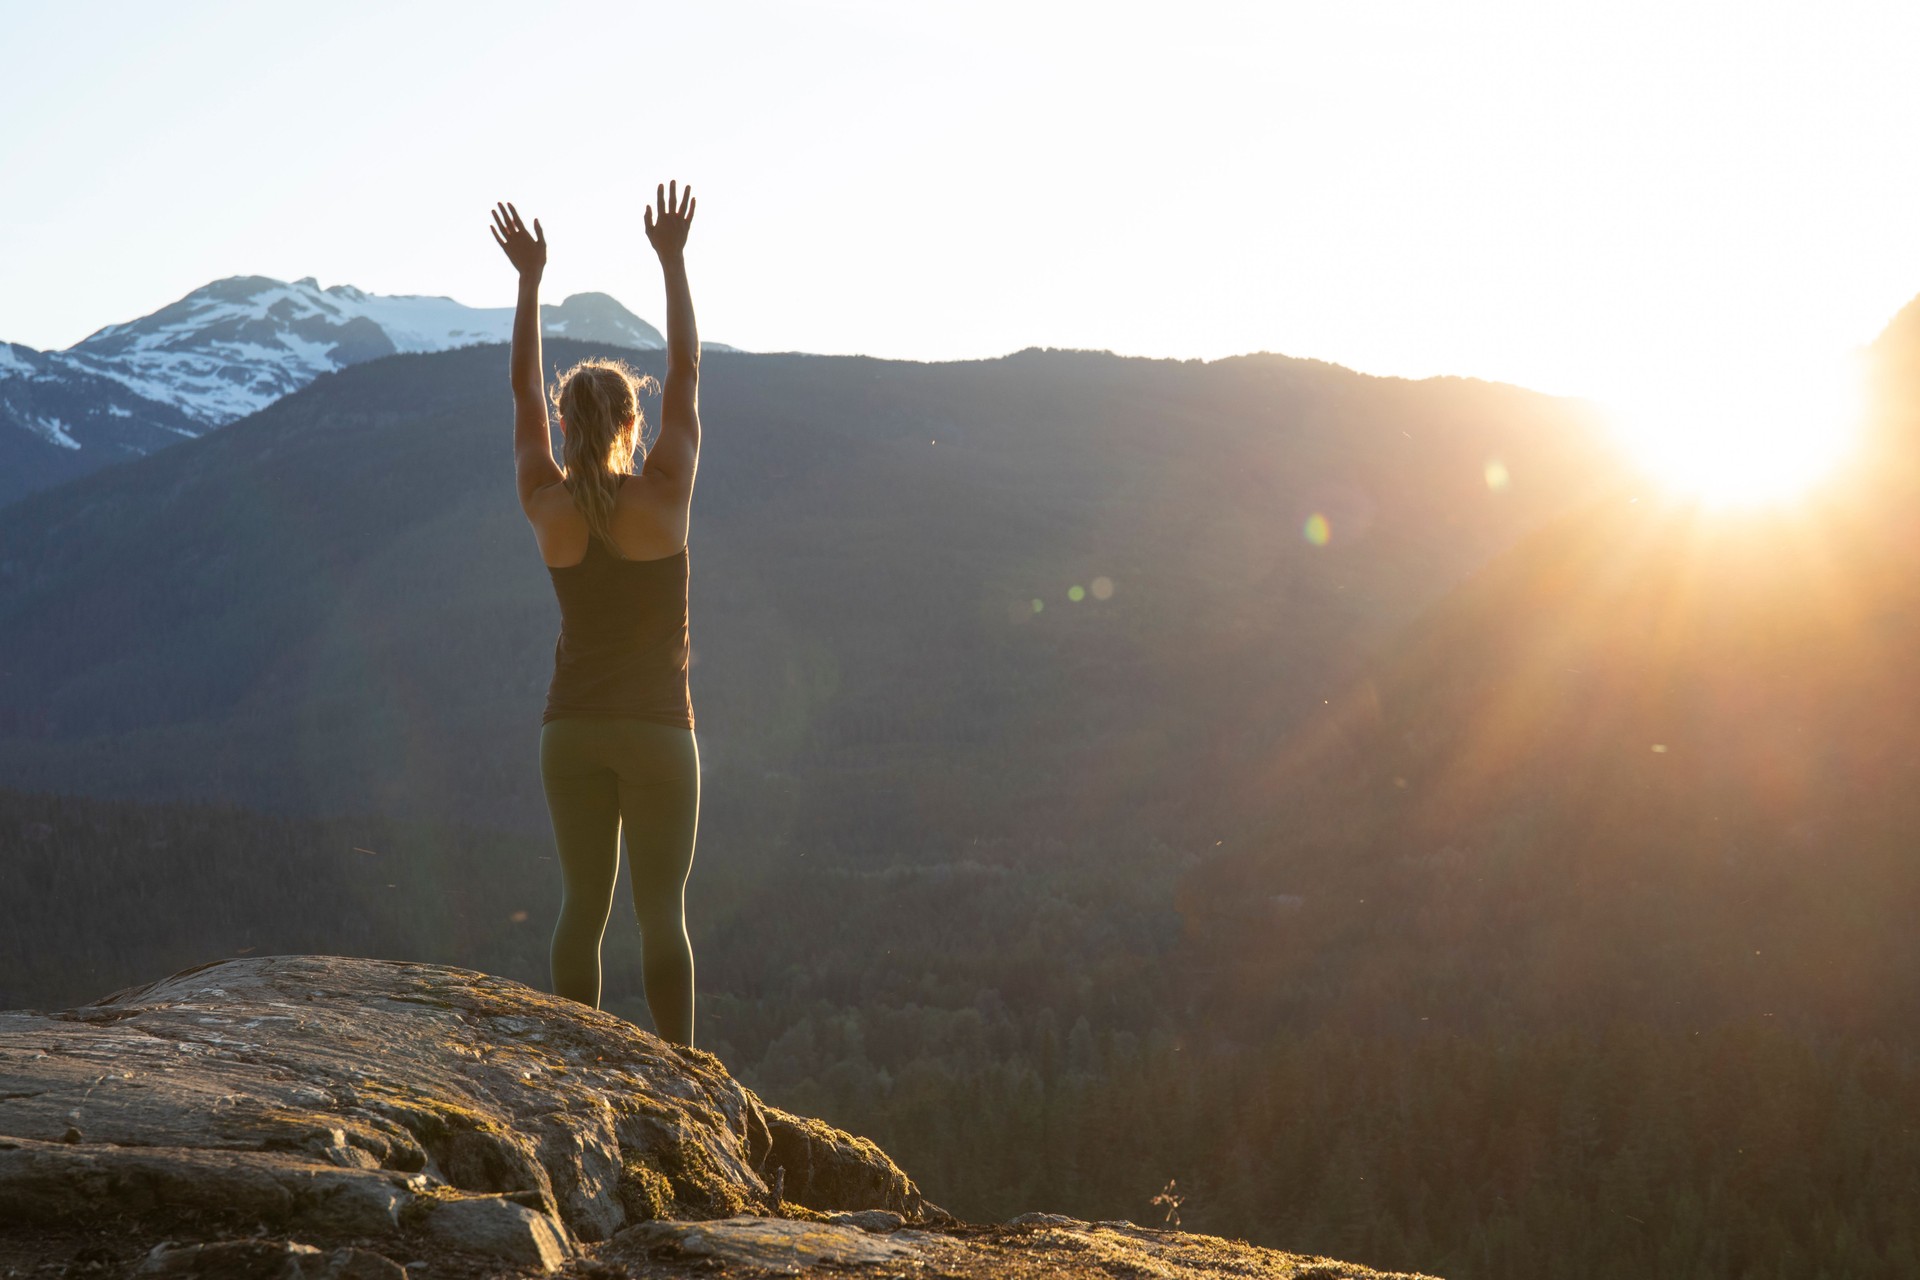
x=1745, y=435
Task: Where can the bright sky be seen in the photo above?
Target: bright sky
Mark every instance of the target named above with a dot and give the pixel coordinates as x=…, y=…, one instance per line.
x=1611, y=199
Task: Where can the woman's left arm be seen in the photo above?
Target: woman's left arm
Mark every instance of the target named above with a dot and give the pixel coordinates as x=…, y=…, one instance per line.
x=533, y=463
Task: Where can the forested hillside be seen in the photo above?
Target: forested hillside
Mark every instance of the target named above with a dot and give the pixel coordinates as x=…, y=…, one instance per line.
x=930, y=602
x=1519, y=884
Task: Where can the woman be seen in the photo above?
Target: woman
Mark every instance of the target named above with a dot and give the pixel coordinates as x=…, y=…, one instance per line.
x=616, y=742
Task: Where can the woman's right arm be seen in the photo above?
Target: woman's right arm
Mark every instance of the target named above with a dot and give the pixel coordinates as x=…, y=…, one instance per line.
x=533, y=464
x=674, y=456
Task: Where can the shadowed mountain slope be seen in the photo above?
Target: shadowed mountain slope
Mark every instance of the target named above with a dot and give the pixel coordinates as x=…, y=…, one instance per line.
x=335, y=605
x=1653, y=766
x=58, y=422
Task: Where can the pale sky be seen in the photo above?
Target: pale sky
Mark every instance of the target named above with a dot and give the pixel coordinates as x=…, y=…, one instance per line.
x=1593, y=200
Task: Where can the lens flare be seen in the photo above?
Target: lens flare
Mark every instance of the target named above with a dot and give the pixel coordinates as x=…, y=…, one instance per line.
x=1317, y=531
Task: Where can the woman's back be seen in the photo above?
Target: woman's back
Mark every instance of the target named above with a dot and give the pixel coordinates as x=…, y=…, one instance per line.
x=647, y=519
x=623, y=648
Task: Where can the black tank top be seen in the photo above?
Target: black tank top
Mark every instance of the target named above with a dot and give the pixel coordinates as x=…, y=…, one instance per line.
x=623, y=638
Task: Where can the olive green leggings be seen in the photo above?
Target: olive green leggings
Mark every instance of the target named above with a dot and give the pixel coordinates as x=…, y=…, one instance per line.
x=602, y=775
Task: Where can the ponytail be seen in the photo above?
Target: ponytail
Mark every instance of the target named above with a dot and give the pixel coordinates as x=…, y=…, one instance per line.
x=599, y=403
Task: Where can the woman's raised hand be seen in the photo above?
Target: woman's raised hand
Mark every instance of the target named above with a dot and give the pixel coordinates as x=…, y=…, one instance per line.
x=668, y=230
x=526, y=250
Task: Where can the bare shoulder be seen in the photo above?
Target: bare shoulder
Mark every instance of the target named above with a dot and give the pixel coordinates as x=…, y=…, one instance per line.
x=549, y=502
x=558, y=527
x=651, y=518
x=648, y=522
x=658, y=489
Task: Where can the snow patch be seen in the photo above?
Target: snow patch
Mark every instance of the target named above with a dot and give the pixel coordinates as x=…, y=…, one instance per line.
x=11, y=364
x=414, y=323
x=316, y=355
x=53, y=431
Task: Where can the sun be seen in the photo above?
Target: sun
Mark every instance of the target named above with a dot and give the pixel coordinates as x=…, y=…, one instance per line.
x=1754, y=435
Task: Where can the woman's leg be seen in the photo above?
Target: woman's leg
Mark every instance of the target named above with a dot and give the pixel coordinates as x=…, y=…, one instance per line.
x=583, y=799
x=660, y=809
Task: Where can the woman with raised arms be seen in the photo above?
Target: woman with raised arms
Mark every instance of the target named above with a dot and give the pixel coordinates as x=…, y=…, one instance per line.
x=616, y=742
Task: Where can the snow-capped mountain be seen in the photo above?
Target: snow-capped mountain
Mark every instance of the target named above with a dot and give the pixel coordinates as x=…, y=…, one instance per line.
x=237, y=345
x=226, y=350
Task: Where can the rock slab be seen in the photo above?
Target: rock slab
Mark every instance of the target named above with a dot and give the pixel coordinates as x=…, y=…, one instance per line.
x=266, y=1260
x=335, y=1099
x=1034, y=1247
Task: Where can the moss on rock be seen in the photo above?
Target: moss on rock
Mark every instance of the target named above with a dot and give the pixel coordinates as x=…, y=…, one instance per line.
x=645, y=1192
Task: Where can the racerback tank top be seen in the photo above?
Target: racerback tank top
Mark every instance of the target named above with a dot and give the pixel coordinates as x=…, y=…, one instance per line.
x=623, y=648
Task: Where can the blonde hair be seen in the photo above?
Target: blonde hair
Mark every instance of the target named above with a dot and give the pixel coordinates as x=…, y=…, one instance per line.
x=598, y=402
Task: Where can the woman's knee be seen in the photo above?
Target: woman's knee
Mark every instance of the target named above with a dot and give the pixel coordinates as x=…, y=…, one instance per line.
x=661, y=918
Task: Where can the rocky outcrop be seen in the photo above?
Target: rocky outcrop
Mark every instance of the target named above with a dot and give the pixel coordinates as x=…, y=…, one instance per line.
x=310, y=1116
x=1031, y=1247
